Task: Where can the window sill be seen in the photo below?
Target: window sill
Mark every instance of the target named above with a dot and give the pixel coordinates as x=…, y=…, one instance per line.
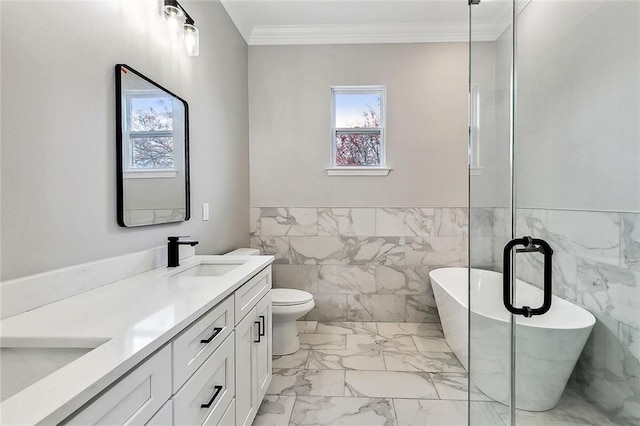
x=358, y=171
x=150, y=174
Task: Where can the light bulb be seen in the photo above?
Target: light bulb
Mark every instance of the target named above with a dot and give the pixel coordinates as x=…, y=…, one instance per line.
x=175, y=17
x=192, y=39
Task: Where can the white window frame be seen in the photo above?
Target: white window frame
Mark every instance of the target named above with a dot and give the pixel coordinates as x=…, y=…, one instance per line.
x=143, y=173
x=380, y=170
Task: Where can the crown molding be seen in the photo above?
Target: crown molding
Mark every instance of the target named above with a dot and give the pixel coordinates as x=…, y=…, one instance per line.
x=262, y=35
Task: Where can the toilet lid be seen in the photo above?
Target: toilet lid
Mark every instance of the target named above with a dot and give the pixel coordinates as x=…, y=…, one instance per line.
x=288, y=297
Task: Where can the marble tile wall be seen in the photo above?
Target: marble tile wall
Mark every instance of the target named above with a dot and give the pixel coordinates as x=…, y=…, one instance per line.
x=597, y=266
x=362, y=264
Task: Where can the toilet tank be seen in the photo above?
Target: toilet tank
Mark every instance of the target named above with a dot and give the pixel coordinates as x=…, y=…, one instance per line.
x=243, y=252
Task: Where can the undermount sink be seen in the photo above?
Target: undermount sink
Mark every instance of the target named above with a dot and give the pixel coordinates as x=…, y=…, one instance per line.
x=22, y=367
x=209, y=269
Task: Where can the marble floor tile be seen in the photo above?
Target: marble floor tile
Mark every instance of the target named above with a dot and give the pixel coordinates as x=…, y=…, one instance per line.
x=389, y=384
x=306, y=327
x=343, y=411
x=572, y=410
x=444, y=413
x=336, y=359
x=322, y=341
x=275, y=410
x=432, y=362
x=431, y=344
x=292, y=381
x=295, y=360
x=410, y=329
x=380, y=343
x=454, y=386
x=353, y=327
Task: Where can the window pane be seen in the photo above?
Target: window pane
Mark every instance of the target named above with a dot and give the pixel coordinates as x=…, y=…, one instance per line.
x=357, y=149
x=153, y=152
x=357, y=110
x=151, y=114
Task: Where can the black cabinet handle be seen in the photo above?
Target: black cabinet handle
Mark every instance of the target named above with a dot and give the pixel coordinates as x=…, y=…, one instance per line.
x=213, y=398
x=264, y=328
x=259, y=332
x=530, y=245
x=216, y=331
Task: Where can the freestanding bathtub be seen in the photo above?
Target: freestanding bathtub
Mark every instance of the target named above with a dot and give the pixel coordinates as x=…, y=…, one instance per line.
x=547, y=346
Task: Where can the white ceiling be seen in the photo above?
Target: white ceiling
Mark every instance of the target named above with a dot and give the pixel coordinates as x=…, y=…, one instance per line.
x=268, y=22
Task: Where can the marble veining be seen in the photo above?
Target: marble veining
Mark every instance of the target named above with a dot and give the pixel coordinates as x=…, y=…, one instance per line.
x=631, y=240
x=423, y=361
x=371, y=307
x=347, y=279
x=352, y=327
x=374, y=393
x=351, y=222
x=307, y=382
x=364, y=252
x=294, y=360
x=323, y=341
x=348, y=359
x=288, y=221
x=343, y=411
x=429, y=412
x=391, y=384
x=613, y=290
x=275, y=410
x=596, y=261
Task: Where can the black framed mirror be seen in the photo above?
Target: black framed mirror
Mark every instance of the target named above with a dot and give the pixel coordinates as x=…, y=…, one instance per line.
x=152, y=135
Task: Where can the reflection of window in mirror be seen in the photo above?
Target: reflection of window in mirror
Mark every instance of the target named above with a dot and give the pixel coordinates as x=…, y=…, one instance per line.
x=150, y=134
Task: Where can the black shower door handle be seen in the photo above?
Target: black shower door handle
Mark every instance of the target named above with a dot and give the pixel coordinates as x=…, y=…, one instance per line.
x=530, y=245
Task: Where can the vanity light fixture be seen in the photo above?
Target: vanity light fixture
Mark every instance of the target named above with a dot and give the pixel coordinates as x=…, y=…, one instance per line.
x=183, y=25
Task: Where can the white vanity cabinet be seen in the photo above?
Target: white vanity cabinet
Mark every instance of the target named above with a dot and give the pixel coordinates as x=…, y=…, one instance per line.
x=253, y=355
x=214, y=372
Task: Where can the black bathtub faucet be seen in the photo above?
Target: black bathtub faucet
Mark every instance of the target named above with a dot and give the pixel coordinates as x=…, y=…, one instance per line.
x=173, y=245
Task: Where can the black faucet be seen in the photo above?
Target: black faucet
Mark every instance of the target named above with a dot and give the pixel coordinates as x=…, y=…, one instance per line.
x=174, y=252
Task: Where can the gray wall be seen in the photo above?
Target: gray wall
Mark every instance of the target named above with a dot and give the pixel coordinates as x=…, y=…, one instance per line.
x=58, y=128
x=289, y=88
x=362, y=245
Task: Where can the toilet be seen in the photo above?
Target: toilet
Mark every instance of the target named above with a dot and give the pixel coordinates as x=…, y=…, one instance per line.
x=288, y=305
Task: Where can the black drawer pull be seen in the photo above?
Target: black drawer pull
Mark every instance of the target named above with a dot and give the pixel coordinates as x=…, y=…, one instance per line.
x=264, y=327
x=216, y=331
x=213, y=398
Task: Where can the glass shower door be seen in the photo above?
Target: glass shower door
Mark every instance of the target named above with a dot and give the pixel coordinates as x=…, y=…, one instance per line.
x=554, y=148
x=490, y=210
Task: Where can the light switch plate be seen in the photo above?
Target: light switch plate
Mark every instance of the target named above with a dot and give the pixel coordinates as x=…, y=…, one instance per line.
x=205, y=211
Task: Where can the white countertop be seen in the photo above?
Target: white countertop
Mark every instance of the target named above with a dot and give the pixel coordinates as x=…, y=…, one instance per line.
x=125, y=321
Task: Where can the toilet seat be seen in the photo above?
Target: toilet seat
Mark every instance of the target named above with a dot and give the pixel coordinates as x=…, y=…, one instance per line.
x=289, y=297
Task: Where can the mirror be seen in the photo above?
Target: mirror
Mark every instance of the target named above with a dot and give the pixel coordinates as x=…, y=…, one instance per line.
x=152, y=131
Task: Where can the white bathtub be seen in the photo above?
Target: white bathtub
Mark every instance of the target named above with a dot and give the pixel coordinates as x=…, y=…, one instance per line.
x=547, y=346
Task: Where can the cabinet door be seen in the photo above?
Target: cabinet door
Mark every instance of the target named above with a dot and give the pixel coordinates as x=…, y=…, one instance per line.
x=263, y=347
x=246, y=369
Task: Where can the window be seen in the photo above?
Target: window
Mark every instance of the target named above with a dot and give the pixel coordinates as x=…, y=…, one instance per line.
x=357, y=130
x=150, y=132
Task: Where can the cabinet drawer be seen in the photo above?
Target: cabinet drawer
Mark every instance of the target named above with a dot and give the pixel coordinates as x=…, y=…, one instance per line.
x=135, y=398
x=229, y=417
x=199, y=341
x=213, y=386
x=164, y=416
x=247, y=296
